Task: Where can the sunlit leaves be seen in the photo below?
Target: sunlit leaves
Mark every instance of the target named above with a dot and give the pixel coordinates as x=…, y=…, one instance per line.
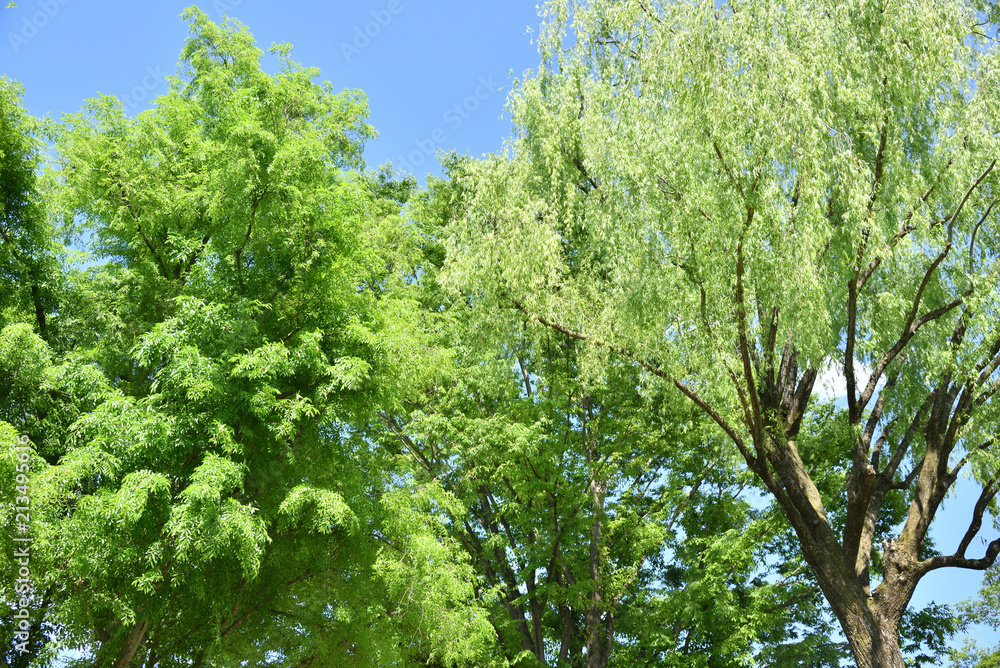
x=695, y=188
x=193, y=402
x=208, y=523
x=319, y=510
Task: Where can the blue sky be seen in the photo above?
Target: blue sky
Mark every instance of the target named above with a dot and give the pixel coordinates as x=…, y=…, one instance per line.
x=437, y=75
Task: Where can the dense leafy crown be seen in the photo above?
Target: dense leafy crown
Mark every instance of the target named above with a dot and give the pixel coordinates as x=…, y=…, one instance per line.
x=199, y=491
x=563, y=407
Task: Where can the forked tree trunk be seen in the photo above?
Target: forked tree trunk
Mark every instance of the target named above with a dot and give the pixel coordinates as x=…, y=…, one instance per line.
x=870, y=623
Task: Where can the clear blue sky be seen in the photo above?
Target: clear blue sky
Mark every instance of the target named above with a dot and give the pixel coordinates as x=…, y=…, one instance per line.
x=415, y=59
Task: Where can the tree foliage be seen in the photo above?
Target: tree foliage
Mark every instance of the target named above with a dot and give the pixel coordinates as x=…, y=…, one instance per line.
x=28, y=252
x=561, y=407
x=735, y=198
x=199, y=494
x=607, y=523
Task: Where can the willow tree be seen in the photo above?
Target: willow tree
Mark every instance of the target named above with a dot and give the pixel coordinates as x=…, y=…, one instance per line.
x=607, y=522
x=738, y=198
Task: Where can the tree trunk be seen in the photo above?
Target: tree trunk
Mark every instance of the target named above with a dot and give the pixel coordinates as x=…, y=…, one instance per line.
x=874, y=640
x=132, y=642
x=592, y=614
x=597, y=620
x=36, y=299
x=870, y=623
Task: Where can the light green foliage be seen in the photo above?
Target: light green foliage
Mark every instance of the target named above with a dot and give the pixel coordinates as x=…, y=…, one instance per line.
x=324, y=510
x=980, y=610
x=282, y=420
x=205, y=528
x=602, y=517
x=970, y=655
x=734, y=197
x=431, y=581
x=28, y=253
x=199, y=493
x=793, y=99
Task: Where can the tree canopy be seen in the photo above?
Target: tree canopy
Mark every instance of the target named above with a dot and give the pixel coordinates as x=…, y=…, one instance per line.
x=561, y=407
x=200, y=494
x=736, y=198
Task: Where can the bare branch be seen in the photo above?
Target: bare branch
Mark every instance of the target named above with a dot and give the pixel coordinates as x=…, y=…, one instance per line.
x=987, y=495
x=725, y=166
x=744, y=345
x=719, y=420
x=904, y=445
x=969, y=192
x=975, y=230
x=958, y=561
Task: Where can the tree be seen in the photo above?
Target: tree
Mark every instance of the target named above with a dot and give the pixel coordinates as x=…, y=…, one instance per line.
x=28, y=282
x=739, y=198
x=980, y=610
x=27, y=247
x=199, y=493
x=607, y=525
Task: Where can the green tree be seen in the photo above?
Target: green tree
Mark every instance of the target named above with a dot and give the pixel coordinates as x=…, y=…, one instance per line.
x=595, y=504
x=199, y=495
x=980, y=610
x=738, y=198
x=29, y=281
x=27, y=247
x=588, y=501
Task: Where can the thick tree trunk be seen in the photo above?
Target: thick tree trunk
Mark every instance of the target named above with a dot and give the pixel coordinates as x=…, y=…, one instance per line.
x=870, y=623
x=874, y=639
